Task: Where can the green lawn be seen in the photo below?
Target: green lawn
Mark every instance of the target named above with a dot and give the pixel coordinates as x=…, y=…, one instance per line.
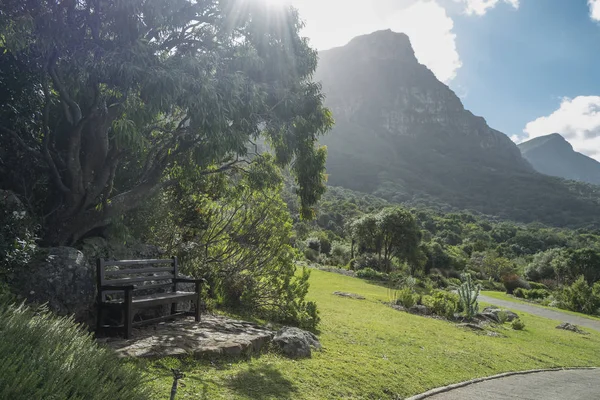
x=374, y=352
x=507, y=297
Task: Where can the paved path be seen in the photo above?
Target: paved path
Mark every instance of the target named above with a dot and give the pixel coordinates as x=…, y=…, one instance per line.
x=554, y=385
x=546, y=313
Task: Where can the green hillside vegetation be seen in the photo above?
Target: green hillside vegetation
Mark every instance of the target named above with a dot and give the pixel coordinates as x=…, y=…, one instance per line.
x=555, y=266
x=374, y=351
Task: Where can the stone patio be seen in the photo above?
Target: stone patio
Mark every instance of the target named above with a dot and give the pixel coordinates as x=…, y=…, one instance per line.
x=215, y=335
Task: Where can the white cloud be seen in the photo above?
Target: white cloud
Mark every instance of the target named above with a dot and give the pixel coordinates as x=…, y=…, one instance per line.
x=578, y=120
x=333, y=23
x=516, y=138
x=430, y=31
x=594, y=9
x=480, y=7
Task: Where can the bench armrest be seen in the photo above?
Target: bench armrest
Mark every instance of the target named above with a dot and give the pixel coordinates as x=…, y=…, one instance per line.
x=117, y=287
x=189, y=280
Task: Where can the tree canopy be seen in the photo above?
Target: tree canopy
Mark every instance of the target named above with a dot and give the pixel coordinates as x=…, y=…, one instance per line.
x=106, y=102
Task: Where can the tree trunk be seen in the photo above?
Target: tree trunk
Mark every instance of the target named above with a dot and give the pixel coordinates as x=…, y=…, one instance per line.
x=69, y=231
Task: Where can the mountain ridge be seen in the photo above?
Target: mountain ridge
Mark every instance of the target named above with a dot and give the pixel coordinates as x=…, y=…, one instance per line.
x=553, y=155
x=405, y=136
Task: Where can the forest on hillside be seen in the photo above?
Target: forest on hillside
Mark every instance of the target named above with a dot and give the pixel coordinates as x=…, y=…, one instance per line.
x=381, y=240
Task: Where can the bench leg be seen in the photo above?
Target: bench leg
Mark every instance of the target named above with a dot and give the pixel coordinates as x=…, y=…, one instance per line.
x=198, y=300
x=98, y=319
x=173, y=308
x=128, y=314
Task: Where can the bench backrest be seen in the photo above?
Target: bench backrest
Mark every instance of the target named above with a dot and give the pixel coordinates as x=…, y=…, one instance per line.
x=143, y=274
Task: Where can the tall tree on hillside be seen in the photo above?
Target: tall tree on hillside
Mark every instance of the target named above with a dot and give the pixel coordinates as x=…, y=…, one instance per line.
x=105, y=99
x=393, y=232
x=400, y=236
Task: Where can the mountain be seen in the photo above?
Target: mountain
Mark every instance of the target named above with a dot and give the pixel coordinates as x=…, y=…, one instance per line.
x=553, y=155
x=403, y=135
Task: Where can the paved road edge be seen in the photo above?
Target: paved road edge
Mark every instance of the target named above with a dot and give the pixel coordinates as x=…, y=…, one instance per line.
x=448, y=388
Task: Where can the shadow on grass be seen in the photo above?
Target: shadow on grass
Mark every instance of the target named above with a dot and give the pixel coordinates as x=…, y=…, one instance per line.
x=262, y=383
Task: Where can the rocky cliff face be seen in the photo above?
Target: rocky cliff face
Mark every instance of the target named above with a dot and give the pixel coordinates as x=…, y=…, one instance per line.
x=405, y=136
x=376, y=84
x=553, y=155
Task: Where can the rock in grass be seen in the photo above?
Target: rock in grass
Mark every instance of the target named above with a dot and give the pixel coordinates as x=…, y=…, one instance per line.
x=570, y=327
x=471, y=326
x=295, y=342
x=350, y=295
x=492, y=313
x=420, y=310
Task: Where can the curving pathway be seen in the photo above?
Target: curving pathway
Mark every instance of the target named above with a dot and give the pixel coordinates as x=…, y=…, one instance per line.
x=546, y=313
x=551, y=385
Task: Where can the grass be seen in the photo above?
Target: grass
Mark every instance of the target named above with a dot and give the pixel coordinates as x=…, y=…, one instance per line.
x=374, y=352
x=507, y=297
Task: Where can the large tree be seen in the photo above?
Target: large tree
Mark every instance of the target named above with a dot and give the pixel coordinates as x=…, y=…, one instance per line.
x=392, y=232
x=107, y=101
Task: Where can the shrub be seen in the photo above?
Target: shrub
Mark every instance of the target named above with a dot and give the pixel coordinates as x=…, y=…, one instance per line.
x=442, y=303
x=536, y=294
x=454, y=282
x=325, y=244
x=439, y=281
x=370, y=273
x=314, y=244
x=406, y=298
x=536, y=285
x=311, y=254
x=17, y=238
x=502, y=317
x=340, y=253
x=513, y=281
x=551, y=284
x=46, y=357
x=519, y=292
x=580, y=296
x=368, y=260
x=489, y=284
x=319, y=241
x=424, y=285
x=518, y=325
x=453, y=274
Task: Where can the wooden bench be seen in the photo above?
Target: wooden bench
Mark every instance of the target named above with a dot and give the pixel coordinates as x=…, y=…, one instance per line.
x=126, y=284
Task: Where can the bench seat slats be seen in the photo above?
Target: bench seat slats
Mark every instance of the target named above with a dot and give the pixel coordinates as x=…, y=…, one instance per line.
x=157, y=299
x=138, y=262
x=126, y=281
x=132, y=271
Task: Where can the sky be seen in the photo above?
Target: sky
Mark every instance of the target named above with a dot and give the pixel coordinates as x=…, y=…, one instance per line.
x=529, y=67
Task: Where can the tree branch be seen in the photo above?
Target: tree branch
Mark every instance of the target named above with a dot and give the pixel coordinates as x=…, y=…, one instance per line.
x=46, y=140
x=62, y=90
x=20, y=141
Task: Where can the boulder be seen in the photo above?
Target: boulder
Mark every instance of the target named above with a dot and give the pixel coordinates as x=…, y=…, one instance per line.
x=350, y=295
x=470, y=325
x=98, y=247
x=570, y=327
x=492, y=314
x=63, y=279
x=419, y=309
x=295, y=342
